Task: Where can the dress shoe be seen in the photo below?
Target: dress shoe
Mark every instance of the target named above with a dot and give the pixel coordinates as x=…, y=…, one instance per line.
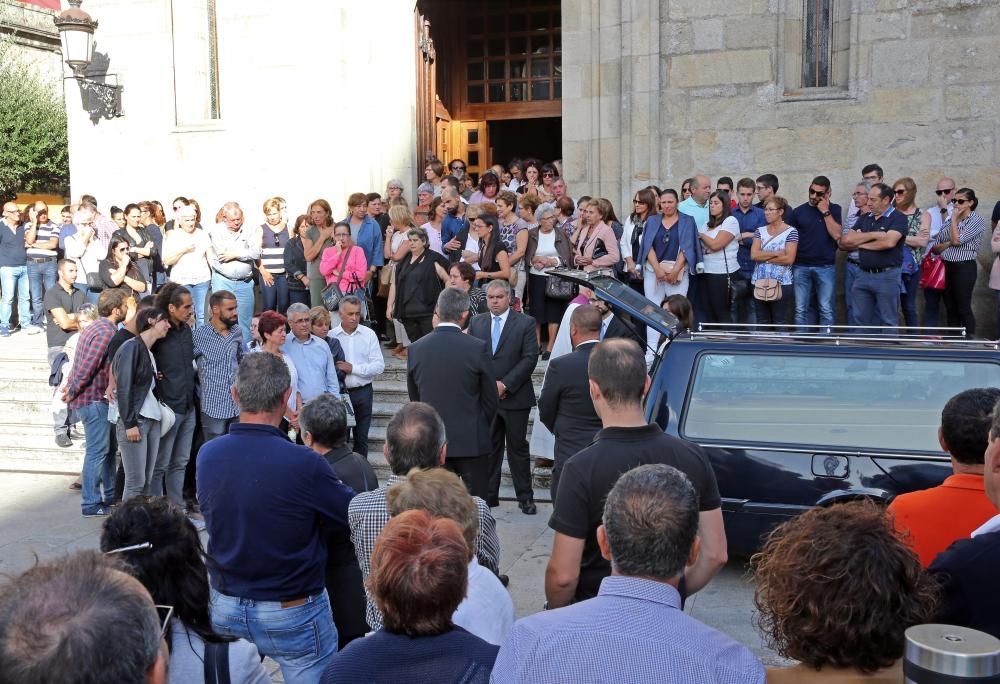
x=493, y=502
x=527, y=507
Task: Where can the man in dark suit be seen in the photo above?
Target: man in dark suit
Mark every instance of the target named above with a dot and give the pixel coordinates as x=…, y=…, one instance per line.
x=511, y=338
x=612, y=325
x=453, y=372
x=565, y=406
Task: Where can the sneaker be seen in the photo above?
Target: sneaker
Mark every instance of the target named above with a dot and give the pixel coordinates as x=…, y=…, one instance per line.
x=63, y=440
x=4, y=331
x=76, y=433
x=99, y=512
x=32, y=329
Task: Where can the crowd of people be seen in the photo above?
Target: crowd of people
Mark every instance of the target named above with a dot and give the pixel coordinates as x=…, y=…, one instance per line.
x=223, y=377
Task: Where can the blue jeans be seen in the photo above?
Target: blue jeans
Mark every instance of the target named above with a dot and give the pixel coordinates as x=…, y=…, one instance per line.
x=172, y=459
x=876, y=300
x=98, y=466
x=42, y=276
x=244, y=299
x=908, y=298
x=12, y=277
x=302, y=640
x=932, y=307
x=851, y=271
x=820, y=281
x=199, y=297
x=275, y=297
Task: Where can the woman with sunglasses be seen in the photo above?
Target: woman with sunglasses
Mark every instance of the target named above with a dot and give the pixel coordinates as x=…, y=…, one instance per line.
x=958, y=244
x=918, y=225
x=118, y=270
x=686, y=188
x=644, y=205
x=167, y=557
x=140, y=242
x=274, y=235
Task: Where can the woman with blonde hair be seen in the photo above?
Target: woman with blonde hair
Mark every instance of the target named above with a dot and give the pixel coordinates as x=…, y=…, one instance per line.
x=317, y=237
x=396, y=247
x=918, y=231
x=274, y=235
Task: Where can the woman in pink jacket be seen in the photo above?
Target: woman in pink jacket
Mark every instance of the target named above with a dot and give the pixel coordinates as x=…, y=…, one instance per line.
x=355, y=273
x=595, y=242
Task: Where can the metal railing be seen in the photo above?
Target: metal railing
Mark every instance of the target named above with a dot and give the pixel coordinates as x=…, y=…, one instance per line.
x=836, y=334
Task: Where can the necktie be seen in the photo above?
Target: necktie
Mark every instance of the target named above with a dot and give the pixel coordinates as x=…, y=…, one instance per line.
x=604, y=328
x=497, y=327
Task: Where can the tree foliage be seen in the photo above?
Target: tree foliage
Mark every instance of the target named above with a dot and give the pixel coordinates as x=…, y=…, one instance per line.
x=34, y=154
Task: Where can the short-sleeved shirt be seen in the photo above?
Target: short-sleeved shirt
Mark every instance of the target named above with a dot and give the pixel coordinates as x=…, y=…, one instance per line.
x=725, y=260
x=816, y=246
x=774, y=243
x=70, y=302
x=885, y=258
x=590, y=474
x=46, y=231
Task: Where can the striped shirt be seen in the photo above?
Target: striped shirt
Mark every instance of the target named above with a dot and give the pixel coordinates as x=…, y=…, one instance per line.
x=633, y=631
x=970, y=236
x=272, y=248
x=369, y=513
x=218, y=358
x=88, y=379
x=45, y=232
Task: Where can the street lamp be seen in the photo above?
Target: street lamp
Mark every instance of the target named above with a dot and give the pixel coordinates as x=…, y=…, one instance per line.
x=76, y=32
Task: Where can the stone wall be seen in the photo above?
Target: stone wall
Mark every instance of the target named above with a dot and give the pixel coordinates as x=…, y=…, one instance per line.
x=34, y=39
x=312, y=105
x=657, y=91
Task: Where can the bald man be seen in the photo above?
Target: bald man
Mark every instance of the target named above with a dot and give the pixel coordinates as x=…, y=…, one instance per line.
x=13, y=270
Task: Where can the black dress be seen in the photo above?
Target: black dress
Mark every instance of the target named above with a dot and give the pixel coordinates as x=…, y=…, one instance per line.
x=417, y=290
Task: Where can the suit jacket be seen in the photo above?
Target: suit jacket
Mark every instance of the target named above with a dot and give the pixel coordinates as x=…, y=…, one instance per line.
x=565, y=406
x=515, y=357
x=454, y=373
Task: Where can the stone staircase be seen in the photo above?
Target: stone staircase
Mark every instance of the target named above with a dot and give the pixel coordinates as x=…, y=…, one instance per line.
x=26, y=437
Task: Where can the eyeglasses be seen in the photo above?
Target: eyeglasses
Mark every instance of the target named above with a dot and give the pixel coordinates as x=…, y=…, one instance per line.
x=457, y=167
x=944, y=191
x=860, y=192
x=164, y=613
x=341, y=235
x=899, y=191
x=637, y=201
x=771, y=209
x=548, y=174
x=959, y=200
x=816, y=193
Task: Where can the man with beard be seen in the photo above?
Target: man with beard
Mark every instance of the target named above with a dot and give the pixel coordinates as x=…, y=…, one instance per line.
x=218, y=350
x=454, y=222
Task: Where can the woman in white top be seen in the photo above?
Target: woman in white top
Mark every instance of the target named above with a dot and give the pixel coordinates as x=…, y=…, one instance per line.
x=437, y=212
x=719, y=246
x=774, y=248
x=273, y=328
x=187, y=250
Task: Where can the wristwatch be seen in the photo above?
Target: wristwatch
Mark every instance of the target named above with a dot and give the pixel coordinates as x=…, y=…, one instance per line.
x=825, y=214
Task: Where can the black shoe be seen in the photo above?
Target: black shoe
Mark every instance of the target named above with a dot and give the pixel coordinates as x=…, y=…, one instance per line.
x=546, y=355
x=63, y=440
x=527, y=507
x=504, y=580
x=493, y=502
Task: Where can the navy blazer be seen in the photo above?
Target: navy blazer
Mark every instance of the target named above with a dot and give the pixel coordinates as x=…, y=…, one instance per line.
x=687, y=232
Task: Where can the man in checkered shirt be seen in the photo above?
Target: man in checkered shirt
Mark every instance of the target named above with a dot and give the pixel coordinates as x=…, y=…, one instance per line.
x=414, y=438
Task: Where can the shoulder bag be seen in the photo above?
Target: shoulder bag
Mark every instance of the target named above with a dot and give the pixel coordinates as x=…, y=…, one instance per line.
x=739, y=288
x=767, y=289
x=557, y=288
x=932, y=272
x=332, y=293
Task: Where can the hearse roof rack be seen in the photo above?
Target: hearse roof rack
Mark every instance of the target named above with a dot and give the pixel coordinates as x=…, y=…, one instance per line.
x=837, y=334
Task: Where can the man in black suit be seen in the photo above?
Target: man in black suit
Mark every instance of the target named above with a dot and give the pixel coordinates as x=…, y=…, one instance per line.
x=511, y=337
x=453, y=372
x=612, y=325
x=565, y=406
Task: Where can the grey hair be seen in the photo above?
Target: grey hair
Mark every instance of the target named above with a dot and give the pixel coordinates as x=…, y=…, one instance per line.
x=451, y=304
x=419, y=233
x=232, y=206
x=866, y=184
x=261, y=382
x=651, y=521
x=544, y=210
x=58, y=619
x=350, y=299
x=297, y=307
x=394, y=183
x=501, y=284
x=325, y=418
x=86, y=212
x=425, y=187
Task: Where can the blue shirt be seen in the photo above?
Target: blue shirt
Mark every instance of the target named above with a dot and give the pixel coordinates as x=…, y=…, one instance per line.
x=816, y=247
x=749, y=223
x=633, y=631
x=264, y=500
x=696, y=211
x=885, y=258
x=451, y=226
x=12, y=249
x=369, y=240
x=314, y=364
x=218, y=358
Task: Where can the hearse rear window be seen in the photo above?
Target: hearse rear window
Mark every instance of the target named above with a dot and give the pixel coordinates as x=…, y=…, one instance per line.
x=834, y=401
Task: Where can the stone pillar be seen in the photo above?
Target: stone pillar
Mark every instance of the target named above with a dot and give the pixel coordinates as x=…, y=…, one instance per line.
x=612, y=118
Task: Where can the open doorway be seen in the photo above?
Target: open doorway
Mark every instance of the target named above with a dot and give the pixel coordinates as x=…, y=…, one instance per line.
x=526, y=138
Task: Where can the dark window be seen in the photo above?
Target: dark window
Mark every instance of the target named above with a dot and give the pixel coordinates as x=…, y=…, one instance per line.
x=816, y=50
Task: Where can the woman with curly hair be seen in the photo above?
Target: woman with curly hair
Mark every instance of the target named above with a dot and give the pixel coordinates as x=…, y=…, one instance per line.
x=836, y=590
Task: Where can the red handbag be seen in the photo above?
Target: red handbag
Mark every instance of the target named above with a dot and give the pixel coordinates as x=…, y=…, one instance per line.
x=932, y=272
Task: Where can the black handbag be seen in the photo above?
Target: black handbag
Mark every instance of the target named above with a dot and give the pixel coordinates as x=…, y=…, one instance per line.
x=739, y=287
x=94, y=282
x=557, y=288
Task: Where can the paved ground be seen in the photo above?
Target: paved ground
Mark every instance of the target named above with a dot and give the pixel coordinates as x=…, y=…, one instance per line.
x=40, y=518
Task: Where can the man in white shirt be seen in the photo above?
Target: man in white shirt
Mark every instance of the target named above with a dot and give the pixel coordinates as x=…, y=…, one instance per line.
x=363, y=363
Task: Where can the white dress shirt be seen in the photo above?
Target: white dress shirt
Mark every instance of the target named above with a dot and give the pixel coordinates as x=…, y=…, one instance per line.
x=362, y=351
x=487, y=609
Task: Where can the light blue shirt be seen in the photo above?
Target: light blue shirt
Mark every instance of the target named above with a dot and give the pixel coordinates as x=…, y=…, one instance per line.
x=632, y=631
x=696, y=211
x=314, y=364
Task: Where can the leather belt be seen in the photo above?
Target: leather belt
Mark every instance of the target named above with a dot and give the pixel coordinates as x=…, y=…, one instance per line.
x=41, y=260
x=295, y=602
x=882, y=269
